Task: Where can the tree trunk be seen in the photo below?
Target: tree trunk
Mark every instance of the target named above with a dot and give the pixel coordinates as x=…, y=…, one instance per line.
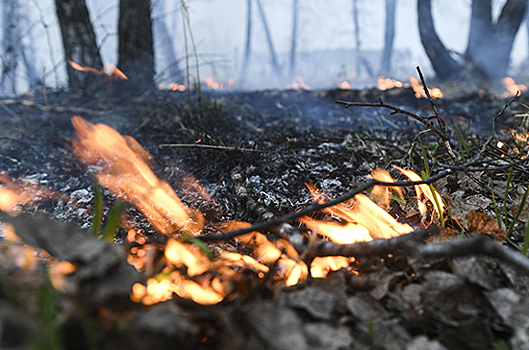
x=360, y=59
x=294, y=39
x=248, y=47
x=389, y=38
x=275, y=62
x=79, y=41
x=444, y=65
x=135, y=50
x=171, y=71
x=490, y=45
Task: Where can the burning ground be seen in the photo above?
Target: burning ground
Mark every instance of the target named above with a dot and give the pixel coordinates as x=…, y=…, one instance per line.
x=239, y=159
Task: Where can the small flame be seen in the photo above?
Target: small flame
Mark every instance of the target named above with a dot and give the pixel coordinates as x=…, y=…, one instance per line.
x=109, y=70
x=15, y=194
x=364, y=212
x=298, y=84
x=321, y=266
x=345, y=85
x=381, y=194
x=512, y=87
x=419, y=90
x=122, y=167
x=424, y=191
x=387, y=83
x=211, y=83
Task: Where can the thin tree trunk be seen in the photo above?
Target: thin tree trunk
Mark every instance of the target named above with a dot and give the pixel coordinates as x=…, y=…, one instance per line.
x=444, y=65
x=389, y=38
x=165, y=41
x=79, y=41
x=135, y=49
x=294, y=39
x=248, y=47
x=360, y=59
x=8, y=80
x=275, y=62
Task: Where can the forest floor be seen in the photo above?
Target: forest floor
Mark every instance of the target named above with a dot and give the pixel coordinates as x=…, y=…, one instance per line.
x=254, y=153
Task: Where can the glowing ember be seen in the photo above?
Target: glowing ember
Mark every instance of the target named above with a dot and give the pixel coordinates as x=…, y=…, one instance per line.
x=511, y=87
x=172, y=86
x=109, y=70
x=215, y=85
x=121, y=167
x=298, y=84
x=500, y=144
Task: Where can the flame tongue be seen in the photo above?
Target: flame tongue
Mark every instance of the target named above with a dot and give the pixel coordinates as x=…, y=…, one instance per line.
x=122, y=168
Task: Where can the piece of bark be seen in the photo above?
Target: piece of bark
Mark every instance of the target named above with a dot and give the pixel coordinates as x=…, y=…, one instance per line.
x=478, y=222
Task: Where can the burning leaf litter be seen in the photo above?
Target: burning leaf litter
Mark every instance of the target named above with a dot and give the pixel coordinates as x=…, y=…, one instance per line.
x=121, y=165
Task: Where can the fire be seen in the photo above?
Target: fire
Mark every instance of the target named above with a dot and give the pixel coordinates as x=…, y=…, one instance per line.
x=512, y=87
x=387, y=83
x=16, y=194
x=345, y=85
x=424, y=191
x=190, y=269
x=215, y=85
x=298, y=84
x=121, y=165
x=419, y=90
x=108, y=69
x=370, y=219
x=172, y=86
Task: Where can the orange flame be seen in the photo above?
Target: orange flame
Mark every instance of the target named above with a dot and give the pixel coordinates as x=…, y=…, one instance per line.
x=419, y=90
x=362, y=211
x=424, y=191
x=122, y=168
x=16, y=194
x=512, y=87
x=109, y=69
x=298, y=84
x=387, y=83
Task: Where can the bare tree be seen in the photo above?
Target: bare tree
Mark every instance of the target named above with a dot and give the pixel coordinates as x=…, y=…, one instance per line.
x=360, y=59
x=248, y=46
x=135, y=49
x=389, y=37
x=275, y=62
x=489, y=43
x=294, y=38
x=17, y=48
x=79, y=41
x=164, y=39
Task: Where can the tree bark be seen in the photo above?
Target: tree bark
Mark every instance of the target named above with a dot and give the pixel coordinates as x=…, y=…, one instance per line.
x=135, y=49
x=79, y=41
x=443, y=64
x=248, y=46
x=389, y=38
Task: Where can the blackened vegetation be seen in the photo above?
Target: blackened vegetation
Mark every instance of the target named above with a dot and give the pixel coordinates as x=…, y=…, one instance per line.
x=254, y=152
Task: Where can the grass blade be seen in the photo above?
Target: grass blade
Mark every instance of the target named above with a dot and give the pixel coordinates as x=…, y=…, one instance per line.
x=97, y=219
x=114, y=218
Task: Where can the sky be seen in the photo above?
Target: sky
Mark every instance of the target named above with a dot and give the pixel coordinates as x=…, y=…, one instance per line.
x=326, y=37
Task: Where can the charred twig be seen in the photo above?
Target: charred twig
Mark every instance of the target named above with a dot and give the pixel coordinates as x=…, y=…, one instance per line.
x=406, y=242
x=397, y=110
x=198, y=145
x=477, y=245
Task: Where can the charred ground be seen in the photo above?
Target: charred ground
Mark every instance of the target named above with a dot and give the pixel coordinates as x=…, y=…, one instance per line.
x=271, y=143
